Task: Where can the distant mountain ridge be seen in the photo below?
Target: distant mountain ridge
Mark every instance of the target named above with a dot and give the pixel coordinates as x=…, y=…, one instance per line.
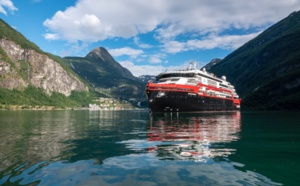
x=109, y=63
x=266, y=70
x=99, y=69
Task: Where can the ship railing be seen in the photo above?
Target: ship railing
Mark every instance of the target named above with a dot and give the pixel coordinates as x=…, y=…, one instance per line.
x=171, y=89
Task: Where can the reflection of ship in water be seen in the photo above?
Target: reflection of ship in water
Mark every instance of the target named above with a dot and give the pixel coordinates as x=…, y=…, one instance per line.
x=197, y=137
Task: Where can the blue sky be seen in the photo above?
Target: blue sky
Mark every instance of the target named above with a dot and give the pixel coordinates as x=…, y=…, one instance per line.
x=145, y=36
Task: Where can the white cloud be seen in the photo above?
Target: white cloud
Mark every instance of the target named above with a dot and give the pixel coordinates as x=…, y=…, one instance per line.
x=174, y=46
x=51, y=36
x=75, y=47
x=7, y=4
x=128, y=18
x=133, y=53
x=137, y=41
x=211, y=42
x=118, y=19
x=138, y=70
x=154, y=60
x=86, y=28
x=224, y=42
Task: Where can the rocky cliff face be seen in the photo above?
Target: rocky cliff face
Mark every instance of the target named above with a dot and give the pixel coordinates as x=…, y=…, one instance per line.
x=21, y=67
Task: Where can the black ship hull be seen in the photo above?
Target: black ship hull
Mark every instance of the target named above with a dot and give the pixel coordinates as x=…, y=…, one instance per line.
x=187, y=102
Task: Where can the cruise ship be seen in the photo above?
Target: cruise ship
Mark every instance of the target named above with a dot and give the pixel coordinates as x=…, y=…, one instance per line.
x=191, y=90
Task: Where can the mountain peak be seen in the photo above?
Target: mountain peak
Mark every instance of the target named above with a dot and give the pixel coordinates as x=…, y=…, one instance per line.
x=102, y=59
x=100, y=52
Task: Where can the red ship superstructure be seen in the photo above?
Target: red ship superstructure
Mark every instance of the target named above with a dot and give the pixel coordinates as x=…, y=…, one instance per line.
x=191, y=90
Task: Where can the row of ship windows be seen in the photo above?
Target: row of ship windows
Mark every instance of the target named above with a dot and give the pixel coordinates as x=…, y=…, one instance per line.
x=194, y=81
x=188, y=75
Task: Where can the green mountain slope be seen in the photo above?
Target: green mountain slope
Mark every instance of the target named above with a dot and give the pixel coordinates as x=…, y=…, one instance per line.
x=31, y=77
x=101, y=71
x=266, y=70
x=11, y=34
x=7, y=32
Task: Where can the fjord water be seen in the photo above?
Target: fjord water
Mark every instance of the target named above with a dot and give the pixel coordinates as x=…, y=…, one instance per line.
x=136, y=148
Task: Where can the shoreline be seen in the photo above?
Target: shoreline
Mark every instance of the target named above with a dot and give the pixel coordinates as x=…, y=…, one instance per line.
x=27, y=107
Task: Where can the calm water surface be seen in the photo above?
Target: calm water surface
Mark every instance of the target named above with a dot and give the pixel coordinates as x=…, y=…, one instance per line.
x=135, y=148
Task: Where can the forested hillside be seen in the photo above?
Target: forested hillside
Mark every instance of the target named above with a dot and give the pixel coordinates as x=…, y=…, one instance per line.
x=266, y=70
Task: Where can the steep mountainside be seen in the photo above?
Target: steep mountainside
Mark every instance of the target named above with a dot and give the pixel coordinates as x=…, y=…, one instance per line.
x=266, y=70
x=100, y=70
x=22, y=63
